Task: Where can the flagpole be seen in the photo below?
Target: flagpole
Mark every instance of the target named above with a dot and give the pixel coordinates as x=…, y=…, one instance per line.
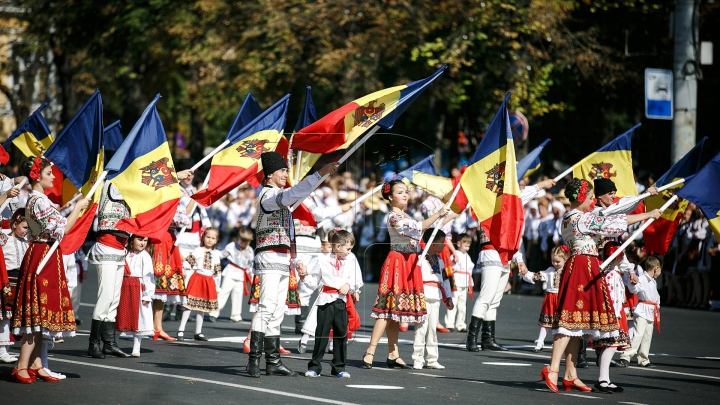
x=353, y=205
x=435, y=229
x=191, y=207
x=631, y=201
x=341, y=161
x=7, y=200
x=635, y=234
x=55, y=245
x=210, y=155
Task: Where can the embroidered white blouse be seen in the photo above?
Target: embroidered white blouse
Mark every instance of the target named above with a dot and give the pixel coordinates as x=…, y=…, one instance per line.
x=579, y=230
x=404, y=232
x=44, y=221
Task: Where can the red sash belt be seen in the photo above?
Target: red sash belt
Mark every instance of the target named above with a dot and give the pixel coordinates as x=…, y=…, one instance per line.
x=247, y=280
x=439, y=286
x=277, y=250
x=113, y=241
x=656, y=313
x=470, y=281
x=330, y=290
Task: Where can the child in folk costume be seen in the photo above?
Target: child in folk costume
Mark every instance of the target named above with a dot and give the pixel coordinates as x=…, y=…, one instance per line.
x=202, y=288
x=400, y=278
x=341, y=280
x=647, y=312
x=235, y=274
x=42, y=309
x=616, y=292
x=551, y=282
x=462, y=269
x=135, y=311
x=437, y=288
x=13, y=250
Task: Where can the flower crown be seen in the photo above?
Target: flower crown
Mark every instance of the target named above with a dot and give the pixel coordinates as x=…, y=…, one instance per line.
x=580, y=194
x=386, y=188
x=35, y=169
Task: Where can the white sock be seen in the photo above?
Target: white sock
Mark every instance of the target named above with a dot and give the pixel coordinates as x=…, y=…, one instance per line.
x=46, y=344
x=605, y=357
x=541, y=337
x=198, y=323
x=330, y=346
x=304, y=339
x=183, y=321
x=3, y=351
x=137, y=339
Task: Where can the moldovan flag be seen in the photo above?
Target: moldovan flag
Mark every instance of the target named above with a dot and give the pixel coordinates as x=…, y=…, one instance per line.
x=249, y=110
x=33, y=137
x=697, y=191
x=613, y=161
x=490, y=186
x=424, y=175
x=660, y=233
x=143, y=172
x=531, y=162
x=341, y=127
x=240, y=161
x=113, y=137
x=308, y=115
x=77, y=152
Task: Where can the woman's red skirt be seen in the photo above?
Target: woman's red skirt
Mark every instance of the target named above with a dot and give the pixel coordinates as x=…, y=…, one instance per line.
x=583, y=301
x=549, y=306
x=401, y=295
x=42, y=301
x=7, y=292
x=201, y=293
x=129, y=308
x=168, y=266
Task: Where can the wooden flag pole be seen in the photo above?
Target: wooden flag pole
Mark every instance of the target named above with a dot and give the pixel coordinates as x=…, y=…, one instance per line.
x=7, y=200
x=210, y=155
x=435, y=229
x=341, y=161
x=632, y=201
x=635, y=235
x=55, y=245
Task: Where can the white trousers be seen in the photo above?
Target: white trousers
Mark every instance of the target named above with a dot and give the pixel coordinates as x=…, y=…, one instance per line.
x=271, y=305
x=234, y=290
x=5, y=333
x=75, y=297
x=641, y=341
x=110, y=278
x=455, y=318
x=426, y=335
x=492, y=287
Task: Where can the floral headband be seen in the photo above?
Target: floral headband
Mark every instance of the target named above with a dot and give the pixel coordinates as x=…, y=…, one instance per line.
x=580, y=194
x=35, y=169
x=386, y=188
x=564, y=248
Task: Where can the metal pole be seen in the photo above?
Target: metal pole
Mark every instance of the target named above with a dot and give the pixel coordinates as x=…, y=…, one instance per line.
x=685, y=65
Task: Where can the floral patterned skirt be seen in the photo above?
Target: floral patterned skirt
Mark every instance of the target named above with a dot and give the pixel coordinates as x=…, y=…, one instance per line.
x=401, y=295
x=549, y=306
x=7, y=292
x=584, y=306
x=292, y=302
x=201, y=293
x=169, y=281
x=42, y=301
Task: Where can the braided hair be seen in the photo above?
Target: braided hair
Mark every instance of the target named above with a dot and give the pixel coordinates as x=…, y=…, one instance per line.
x=388, y=186
x=577, y=189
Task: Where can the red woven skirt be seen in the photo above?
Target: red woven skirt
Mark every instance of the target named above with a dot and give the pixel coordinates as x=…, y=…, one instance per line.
x=42, y=301
x=549, y=306
x=401, y=295
x=168, y=267
x=7, y=292
x=201, y=293
x=292, y=302
x=254, y=291
x=129, y=308
x=583, y=301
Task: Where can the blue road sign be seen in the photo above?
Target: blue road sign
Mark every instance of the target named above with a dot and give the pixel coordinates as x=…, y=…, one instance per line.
x=659, y=94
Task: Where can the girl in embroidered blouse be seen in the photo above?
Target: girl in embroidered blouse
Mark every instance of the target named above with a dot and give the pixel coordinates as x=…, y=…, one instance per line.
x=202, y=288
x=43, y=309
x=583, y=306
x=400, y=295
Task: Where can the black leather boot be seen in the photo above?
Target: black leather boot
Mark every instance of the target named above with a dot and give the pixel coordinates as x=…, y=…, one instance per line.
x=253, y=367
x=94, y=346
x=108, y=338
x=472, y=334
x=582, y=358
x=273, y=364
x=487, y=339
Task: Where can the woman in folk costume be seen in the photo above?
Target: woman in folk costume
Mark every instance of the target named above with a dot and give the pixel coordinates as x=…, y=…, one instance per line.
x=274, y=258
x=400, y=296
x=42, y=302
x=584, y=308
x=135, y=311
x=7, y=288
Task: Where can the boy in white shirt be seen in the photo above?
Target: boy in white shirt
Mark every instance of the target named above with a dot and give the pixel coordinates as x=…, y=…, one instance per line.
x=437, y=288
x=339, y=277
x=455, y=318
x=647, y=312
x=234, y=276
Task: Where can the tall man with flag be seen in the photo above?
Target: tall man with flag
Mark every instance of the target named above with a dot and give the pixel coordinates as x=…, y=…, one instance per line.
x=274, y=257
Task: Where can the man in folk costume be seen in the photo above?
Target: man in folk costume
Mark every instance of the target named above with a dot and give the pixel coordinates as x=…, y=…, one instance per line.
x=274, y=256
x=190, y=239
x=494, y=279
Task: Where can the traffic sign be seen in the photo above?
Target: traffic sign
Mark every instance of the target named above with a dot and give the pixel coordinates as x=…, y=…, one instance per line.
x=659, y=94
x=518, y=126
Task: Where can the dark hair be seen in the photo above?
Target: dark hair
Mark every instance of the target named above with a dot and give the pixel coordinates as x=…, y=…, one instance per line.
x=341, y=236
x=133, y=237
x=27, y=164
x=462, y=237
x=572, y=189
x=245, y=234
x=392, y=183
x=428, y=232
x=17, y=217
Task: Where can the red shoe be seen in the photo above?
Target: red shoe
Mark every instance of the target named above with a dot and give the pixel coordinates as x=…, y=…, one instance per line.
x=403, y=327
x=246, y=346
x=46, y=378
x=164, y=336
x=156, y=335
x=570, y=384
x=283, y=350
x=442, y=329
x=23, y=380
x=545, y=375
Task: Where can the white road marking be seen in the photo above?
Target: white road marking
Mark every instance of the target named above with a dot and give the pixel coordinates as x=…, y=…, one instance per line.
x=631, y=403
x=674, y=372
x=572, y=395
x=684, y=357
x=429, y=375
x=490, y=363
x=245, y=387
x=376, y=387
x=85, y=304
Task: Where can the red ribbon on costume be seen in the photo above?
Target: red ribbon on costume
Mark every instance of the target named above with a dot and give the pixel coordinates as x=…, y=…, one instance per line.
x=127, y=269
x=440, y=287
x=656, y=313
x=470, y=281
x=112, y=240
x=247, y=280
x=330, y=290
x=353, y=315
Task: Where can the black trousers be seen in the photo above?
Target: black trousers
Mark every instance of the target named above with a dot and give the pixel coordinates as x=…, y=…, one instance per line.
x=332, y=316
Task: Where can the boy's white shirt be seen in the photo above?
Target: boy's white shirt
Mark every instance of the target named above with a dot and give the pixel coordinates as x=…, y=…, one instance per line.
x=432, y=291
x=241, y=258
x=463, y=270
x=324, y=273
x=646, y=290
x=547, y=276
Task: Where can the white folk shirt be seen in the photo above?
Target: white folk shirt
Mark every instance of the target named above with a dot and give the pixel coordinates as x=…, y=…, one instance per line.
x=240, y=260
x=646, y=290
x=326, y=272
x=14, y=251
x=463, y=270
x=434, y=275
x=550, y=278
x=141, y=266
x=205, y=262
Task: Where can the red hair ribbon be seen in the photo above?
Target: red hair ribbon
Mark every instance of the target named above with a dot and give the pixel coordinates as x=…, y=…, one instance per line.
x=35, y=169
x=386, y=188
x=609, y=250
x=564, y=248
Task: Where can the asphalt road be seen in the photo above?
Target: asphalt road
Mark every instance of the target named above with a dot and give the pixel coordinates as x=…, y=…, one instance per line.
x=686, y=356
